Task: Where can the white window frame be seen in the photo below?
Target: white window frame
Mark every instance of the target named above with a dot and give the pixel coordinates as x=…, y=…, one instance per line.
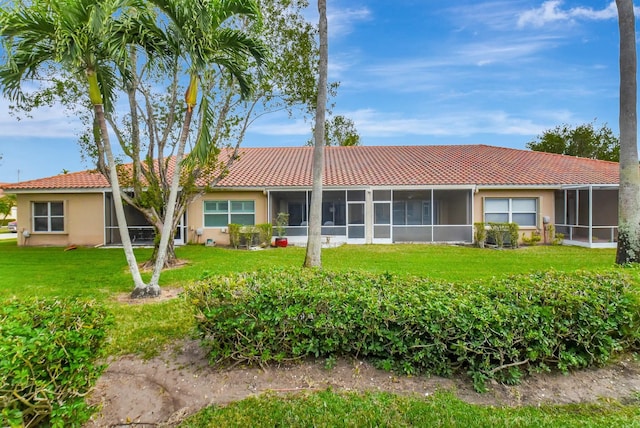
x=510, y=211
x=229, y=212
x=49, y=216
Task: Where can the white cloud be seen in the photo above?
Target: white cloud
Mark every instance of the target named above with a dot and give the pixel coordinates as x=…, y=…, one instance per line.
x=457, y=65
x=45, y=122
x=342, y=21
x=494, y=15
x=461, y=123
x=551, y=11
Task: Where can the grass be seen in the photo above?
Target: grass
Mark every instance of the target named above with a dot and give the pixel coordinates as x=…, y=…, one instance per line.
x=443, y=409
x=102, y=274
x=99, y=273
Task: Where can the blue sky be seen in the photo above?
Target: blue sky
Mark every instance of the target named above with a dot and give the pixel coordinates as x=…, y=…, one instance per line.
x=418, y=72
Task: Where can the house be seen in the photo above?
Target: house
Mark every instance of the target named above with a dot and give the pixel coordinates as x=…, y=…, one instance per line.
x=13, y=214
x=372, y=194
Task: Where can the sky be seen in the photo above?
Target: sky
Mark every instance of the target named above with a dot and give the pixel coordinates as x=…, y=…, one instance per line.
x=416, y=72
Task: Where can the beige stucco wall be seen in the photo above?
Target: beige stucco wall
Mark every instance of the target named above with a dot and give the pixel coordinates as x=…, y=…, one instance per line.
x=195, y=215
x=83, y=220
x=546, y=205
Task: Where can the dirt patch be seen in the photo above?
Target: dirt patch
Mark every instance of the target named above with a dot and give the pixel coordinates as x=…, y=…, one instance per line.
x=164, y=390
x=165, y=294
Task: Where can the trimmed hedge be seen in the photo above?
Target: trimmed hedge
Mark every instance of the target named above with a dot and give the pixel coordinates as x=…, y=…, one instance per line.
x=498, y=329
x=49, y=348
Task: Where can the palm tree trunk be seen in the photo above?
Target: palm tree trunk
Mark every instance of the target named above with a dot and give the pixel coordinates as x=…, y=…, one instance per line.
x=117, y=200
x=313, y=256
x=167, y=227
x=629, y=193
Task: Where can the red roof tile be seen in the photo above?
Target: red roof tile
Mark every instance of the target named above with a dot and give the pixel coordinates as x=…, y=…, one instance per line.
x=387, y=166
x=73, y=180
x=416, y=165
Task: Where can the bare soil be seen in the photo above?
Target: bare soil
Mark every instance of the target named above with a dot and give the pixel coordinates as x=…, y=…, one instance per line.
x=164, y=390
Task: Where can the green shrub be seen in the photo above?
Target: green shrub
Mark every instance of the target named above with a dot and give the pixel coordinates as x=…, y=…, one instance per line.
x=498, y=329
x=534, y=239
x=497, y=234
x=49, y=348
x=234, y=234
x=265, y=233
x=479, y=234
x=248, y=234
x=513, y=230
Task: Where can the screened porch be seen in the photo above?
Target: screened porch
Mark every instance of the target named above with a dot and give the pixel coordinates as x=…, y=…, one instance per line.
x=141, y=232
x=588, y=215
x=380, y=215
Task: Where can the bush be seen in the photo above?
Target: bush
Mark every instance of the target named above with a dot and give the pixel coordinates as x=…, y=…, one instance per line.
x=49, y=348
x=498, y=233
x=234, y=234
x=265, y=233
x=513, y=229
x=534, y=239
x=248, y=233
x=479, y=234
x=499, y=329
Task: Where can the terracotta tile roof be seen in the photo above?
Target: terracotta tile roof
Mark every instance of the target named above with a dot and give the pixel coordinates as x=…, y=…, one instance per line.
x=386, y=166
x=73, y=180
x=416, y=165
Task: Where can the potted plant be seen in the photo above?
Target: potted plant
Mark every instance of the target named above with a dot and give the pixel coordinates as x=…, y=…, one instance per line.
x=282, y=220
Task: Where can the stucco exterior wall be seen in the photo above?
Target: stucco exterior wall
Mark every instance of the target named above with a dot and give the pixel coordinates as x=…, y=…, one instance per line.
x=219, y=235
x=83, y=220
x=546, y=205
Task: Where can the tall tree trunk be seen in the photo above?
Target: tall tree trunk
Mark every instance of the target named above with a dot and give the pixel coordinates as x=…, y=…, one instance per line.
x=167, y=227
x=313, y=256
x=117, y=200
x=629, y=193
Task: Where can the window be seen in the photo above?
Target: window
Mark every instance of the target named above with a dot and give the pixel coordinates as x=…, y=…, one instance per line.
x=48, y=217
x=222, y=213
x=523, y=211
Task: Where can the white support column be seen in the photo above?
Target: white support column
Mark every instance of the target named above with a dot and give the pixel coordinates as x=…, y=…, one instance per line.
x=368, y=216
x=590, y=215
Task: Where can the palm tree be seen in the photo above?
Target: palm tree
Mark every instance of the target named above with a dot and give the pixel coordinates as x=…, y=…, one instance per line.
x=313, y=256
x=90, y=40
x=199, y=39
x=97, y=41
x=629, y=193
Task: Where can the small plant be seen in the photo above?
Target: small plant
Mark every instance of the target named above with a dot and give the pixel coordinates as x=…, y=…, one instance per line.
x=558, y=238
x=234, y=234
x=330, y=362
x=513, y=229
x=282, y=221
x=479, y=234
x=248, y=233
x=265, y=233
x=555, y=238
x=497, y=232
x=533, y=239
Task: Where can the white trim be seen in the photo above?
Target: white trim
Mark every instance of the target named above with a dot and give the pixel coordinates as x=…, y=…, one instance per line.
x=585, y=244
x=519, y=187
x=586, y=186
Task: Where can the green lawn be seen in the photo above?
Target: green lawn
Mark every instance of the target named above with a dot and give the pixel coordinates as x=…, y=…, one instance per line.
x=102, y=274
